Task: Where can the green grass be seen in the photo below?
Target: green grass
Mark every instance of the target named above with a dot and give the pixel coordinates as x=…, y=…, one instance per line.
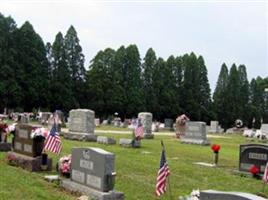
x=137, y=168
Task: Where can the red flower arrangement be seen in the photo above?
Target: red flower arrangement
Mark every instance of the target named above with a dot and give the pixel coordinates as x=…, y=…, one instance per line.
x=64, y=165
x=216, y=148
x=3, y=127
x=254, y=170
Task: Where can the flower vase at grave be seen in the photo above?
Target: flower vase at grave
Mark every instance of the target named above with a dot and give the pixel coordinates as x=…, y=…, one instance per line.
x=216, y=148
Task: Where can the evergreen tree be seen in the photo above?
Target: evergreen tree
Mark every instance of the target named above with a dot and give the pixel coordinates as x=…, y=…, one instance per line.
x=191, y=87
x=75, y=62
x=132, y=82
x=204, y=92
x=33, y=77
x=219, y=97
x=10, y=90
x=234, y=86
x=60, y=87
x=148, y=68
x=244, y=95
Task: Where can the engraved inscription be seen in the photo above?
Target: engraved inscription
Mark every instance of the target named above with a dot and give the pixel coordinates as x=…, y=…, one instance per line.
x=94, y=181
x=23, y=133
x=78, y=176
x=86, y=164
x=18, y=146
x=27, y=148
x=257, y=156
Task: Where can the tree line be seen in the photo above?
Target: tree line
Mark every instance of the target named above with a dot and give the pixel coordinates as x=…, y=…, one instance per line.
x=53, y=76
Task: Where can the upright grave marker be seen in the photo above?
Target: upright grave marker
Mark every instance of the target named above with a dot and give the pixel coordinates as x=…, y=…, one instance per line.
x=146, y=120
x=195, y=133
x=81, y=125
x=92, y=173
x=253, y=154
x=27, y=150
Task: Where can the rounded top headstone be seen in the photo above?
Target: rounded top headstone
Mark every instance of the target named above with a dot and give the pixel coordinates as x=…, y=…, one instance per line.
x=82, y=110
x=145, y=113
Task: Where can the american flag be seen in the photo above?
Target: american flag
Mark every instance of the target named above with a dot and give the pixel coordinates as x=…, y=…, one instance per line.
x=163, y=173
x=53, y=142
x=139, y=131
x=265, y=175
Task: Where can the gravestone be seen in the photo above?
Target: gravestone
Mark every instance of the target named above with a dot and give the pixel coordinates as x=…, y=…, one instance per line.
x=146, y=120
x=124, y=142
x=81, y=125
x=214, y=127
x=97, y=122
x=27, y=151
x=253, y=154
x=169, y=123
x=220, y=195
x=195, y=133
x=105, y=140
x=44, y=117
x=24, y=118
x=93, y=174
x=264, y=129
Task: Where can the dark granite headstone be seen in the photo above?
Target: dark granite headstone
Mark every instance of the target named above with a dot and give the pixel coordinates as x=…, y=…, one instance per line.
x=253, y=154
x=24, y=144
x=93, y=167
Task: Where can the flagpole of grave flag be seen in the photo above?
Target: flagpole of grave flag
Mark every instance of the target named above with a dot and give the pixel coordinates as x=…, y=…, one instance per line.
x=169, y=188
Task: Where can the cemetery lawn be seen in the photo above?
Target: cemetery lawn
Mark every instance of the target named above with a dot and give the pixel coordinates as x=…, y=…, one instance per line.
x=137, y=169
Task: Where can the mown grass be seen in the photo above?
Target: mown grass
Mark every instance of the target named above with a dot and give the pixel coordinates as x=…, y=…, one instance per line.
x=137, y=169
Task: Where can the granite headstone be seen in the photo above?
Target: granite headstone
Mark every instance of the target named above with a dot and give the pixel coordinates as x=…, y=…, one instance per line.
x=220, y=195
x=253, y=154
x=146, y=120
x=195, y=133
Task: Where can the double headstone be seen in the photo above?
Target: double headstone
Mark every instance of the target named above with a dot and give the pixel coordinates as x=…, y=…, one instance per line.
x=146, y=120
x=81, y=125
x=93, y=174
x=195, y=133
x=253, y=154
x=27, y=150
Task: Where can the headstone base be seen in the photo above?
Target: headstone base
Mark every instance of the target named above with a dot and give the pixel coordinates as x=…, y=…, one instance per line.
x=28, y=163
x=80, y=136
x=148, y=136
x=4, y=146
x=92, y=193
x=219, y=195
x=193, y=141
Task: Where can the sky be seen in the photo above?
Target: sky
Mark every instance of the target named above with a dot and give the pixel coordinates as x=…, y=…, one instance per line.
x=221, y=31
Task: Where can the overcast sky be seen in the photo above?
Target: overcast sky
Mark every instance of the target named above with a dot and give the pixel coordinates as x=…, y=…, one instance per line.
x=220, y=31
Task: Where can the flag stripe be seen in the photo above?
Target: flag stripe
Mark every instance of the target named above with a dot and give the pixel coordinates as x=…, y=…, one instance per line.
x=163, y=173
x=265, y=175
x=53, y=141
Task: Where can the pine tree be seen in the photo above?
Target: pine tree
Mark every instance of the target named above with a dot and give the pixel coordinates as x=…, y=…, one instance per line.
x=244, y=95
x=204, y=92
x=219, y=97
x=234, y=86
x=33, y=78
x=10, y=90
x=147, y=78
x=60, y=86
x=75, y=62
